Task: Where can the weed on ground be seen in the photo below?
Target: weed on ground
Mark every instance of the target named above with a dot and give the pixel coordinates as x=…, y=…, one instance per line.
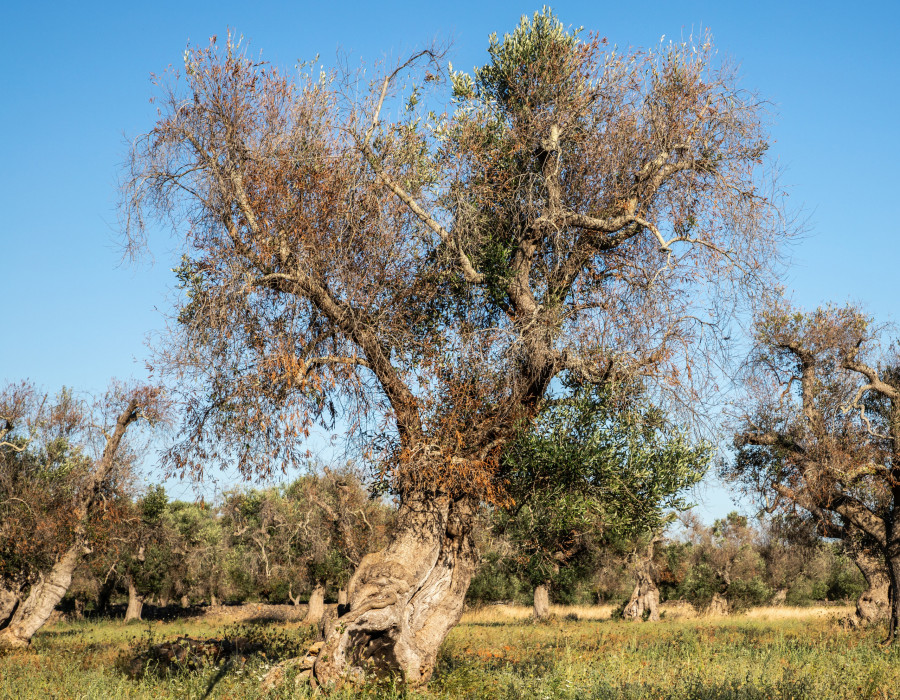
x=495, y=653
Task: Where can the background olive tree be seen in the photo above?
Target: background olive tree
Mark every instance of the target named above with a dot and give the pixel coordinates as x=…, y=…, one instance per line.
x=596, y=465
x=821, y=433
x=63, y=464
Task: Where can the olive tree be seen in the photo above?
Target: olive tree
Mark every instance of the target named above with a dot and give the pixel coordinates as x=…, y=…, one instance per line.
x=820, y=432
x=63, y=461
x=594, y=465
x=577, y=210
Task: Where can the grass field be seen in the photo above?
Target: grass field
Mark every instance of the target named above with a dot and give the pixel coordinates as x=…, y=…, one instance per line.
x=498, y=653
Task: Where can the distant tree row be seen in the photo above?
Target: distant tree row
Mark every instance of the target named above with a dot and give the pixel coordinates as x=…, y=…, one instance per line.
x=729, y=566
x=277, y=545
x=593, y=487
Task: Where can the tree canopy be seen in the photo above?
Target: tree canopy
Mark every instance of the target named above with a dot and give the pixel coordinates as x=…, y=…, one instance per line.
x=351, y=252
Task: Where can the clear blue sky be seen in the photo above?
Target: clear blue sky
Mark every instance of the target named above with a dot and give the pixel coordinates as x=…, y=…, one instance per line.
x=76, y=83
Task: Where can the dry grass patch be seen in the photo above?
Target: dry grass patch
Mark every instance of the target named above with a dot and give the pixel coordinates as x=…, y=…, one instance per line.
x=804, y=613
x=673, y=611
x=500, y=614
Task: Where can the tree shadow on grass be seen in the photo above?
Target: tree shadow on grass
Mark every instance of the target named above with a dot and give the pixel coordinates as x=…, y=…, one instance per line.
x=239, y=645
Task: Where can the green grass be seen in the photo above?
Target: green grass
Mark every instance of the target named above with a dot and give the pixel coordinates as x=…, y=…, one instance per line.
x=498, y=657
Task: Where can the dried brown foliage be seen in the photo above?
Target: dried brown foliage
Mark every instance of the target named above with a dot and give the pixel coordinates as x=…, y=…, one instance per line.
x=820, y=427
x=54, y=489
x=579, y=211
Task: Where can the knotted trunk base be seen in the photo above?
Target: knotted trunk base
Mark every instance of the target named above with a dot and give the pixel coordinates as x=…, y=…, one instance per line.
x=718, y=606
x=404, y=600
x=873, y=605
x=644, y=601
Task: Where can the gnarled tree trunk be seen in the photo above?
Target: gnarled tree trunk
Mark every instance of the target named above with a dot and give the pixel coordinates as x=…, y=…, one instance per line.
x=404, y=600
x=718, y=606
x=106, y=591
x=874, y=603
x=135, y=603
x=541, y=609
x=645, y=597
x=295, y=599
x=316, y=605
x=43, y=597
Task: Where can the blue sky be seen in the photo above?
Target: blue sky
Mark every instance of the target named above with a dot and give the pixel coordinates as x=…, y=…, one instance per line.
x=76, y=84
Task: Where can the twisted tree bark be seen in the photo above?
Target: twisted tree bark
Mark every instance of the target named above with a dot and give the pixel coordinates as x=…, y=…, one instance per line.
x=106, y=591
x=43, y=597
x=404, y=600
x=893, y=570
x=873, y=604
x=9, y=601
x=718, y=606
x=645, y=597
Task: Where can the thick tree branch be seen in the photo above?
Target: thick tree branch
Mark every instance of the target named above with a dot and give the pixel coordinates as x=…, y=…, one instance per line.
x=771, y=439
x=468, y=270
x=875, y=383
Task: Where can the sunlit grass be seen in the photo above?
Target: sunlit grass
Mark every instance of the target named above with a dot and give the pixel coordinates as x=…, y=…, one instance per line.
x=496, y=652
